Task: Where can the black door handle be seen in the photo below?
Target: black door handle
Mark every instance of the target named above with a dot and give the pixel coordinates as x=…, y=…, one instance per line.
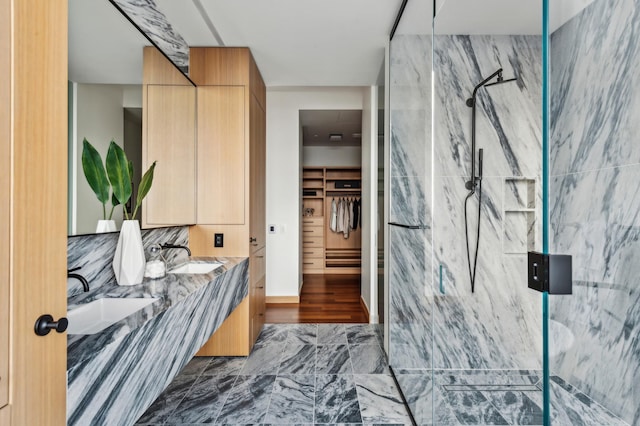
x=45, y=324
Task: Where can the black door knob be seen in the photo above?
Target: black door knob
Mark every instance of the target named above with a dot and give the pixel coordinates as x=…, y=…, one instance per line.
x=45, y=324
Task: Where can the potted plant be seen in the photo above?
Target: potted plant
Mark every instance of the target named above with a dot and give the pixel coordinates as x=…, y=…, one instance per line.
x=96, y=176
x=129, y=260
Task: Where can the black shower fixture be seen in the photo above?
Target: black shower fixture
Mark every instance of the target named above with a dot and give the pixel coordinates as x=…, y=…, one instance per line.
x=476, y=181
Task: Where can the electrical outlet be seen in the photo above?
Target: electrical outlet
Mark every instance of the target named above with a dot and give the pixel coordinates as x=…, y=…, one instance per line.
x=218, y=240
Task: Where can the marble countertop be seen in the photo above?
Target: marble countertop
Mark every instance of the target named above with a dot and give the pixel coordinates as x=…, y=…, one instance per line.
x=169, y=290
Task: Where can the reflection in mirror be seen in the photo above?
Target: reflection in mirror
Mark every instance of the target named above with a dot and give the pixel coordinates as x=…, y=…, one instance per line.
x=105, y=100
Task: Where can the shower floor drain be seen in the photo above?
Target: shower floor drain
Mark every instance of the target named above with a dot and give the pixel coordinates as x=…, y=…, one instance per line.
x=492, y=388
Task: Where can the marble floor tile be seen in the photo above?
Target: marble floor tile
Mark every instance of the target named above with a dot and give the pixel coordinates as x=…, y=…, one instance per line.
x=347, y=382
x=292, y=400
x=224, y=365
x=306, y=334
x=333, y=359
x=196, y=366
x=472, y=408
x=362, y=333
x=336, y=399
x=368, y=359
x=203, y=401
x=332, y=334
x=263, y=359
x=516, y=407
x=298, y=359
x=273, y=333
x=248, y=401
x=380, y=401
x=168, y=400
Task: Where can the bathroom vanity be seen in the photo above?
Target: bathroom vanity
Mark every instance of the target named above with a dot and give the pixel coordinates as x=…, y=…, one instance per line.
x=115, y=374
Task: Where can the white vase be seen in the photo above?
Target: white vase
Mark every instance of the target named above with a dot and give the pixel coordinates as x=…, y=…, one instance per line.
x=129, y=261
x=106, y=226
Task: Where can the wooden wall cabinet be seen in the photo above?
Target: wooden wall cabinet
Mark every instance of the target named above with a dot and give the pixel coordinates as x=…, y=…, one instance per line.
x=231, y=159
x=168, y=137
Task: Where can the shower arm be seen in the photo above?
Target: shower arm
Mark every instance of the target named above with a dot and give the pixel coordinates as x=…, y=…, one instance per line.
x=471, y=184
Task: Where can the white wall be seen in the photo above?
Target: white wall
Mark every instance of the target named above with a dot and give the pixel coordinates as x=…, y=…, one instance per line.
x=369, y=274
x=339, y=156
x=99, y=118
x=283, y=175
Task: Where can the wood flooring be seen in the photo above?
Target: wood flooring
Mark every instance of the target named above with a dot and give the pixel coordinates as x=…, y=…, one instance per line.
x=324, y=299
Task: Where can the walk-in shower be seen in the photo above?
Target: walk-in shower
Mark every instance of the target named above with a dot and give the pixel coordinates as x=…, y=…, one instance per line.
x=475, y=182
x=555, y=175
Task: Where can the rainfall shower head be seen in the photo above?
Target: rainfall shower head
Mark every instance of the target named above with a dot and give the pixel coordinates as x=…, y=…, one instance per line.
x=485, y=83
x=500, y=81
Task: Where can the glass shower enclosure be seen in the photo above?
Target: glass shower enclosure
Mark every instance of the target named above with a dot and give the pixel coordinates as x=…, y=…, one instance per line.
x=511, y=132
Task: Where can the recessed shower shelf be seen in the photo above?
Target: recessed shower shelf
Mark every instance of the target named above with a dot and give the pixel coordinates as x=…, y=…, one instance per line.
x=519, y=220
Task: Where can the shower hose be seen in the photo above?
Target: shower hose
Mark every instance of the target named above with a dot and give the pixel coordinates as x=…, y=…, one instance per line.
x=472, y=270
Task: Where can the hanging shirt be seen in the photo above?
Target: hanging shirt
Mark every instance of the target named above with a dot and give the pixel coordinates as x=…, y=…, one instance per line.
x=356, y=214
x=351, y=206
x=334, y=216
x=345, y=218
x=339, y=216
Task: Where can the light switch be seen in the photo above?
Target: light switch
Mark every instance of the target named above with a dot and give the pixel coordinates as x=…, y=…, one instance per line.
x=272, y=229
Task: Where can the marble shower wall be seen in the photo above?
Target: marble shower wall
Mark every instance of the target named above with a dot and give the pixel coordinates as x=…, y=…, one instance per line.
x=410, y=300
x=498, y=326
x=595, y=202
x=94, y=253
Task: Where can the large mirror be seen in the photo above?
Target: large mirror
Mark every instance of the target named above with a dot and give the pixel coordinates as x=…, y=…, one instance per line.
x=105, y=101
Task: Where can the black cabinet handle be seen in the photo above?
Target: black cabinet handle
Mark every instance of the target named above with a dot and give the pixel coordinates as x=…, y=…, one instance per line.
x=402, y=225
x=45, y=324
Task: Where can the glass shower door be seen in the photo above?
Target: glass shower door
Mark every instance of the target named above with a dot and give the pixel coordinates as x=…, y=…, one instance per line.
x=410, y=303
x=593, y=196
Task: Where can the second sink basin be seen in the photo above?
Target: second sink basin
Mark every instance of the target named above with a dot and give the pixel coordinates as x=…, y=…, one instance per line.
x=196, y=268
x=95, y=316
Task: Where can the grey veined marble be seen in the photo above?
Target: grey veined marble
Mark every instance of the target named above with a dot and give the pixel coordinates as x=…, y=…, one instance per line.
x=595, y=200
x=153, y=22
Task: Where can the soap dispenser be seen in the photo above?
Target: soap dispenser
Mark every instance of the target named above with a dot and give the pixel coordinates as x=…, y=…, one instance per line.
x=156, y=265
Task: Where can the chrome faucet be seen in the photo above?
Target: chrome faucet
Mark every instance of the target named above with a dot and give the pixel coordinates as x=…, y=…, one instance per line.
x=175, y=246
x=83, y=280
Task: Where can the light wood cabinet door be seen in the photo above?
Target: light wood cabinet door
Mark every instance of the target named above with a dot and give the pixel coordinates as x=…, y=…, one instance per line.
x=257, y=188
x=257, y=279
x=221, y=155
x=170, y=120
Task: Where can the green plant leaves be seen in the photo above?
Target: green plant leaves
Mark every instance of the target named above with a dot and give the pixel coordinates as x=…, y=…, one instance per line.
x=95, y=173
x=116, y=180
x=145, y=186
x=118, y=172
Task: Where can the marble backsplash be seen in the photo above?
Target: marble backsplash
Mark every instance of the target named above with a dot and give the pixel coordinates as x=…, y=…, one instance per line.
x=94, y=254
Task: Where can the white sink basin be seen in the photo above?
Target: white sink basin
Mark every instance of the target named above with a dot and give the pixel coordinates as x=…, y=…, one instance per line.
x=94, y=317
x=196, y=268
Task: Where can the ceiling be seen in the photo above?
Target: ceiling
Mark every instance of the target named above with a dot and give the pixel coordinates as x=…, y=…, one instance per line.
x=318, y=125
x=294, y=42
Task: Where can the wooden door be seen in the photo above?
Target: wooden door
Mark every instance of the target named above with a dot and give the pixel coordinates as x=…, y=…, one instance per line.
x=5, y=188
x=33, y=217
